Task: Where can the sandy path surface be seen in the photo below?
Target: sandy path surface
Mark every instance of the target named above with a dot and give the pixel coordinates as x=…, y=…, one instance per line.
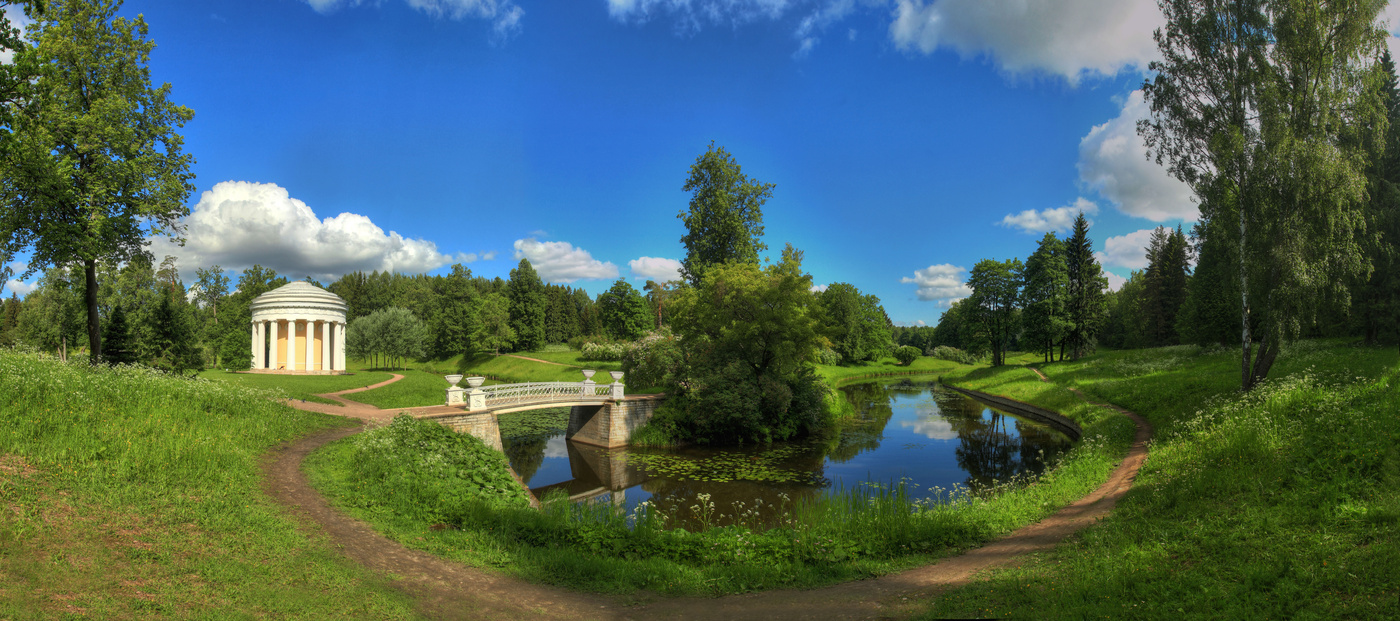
x=447, y=590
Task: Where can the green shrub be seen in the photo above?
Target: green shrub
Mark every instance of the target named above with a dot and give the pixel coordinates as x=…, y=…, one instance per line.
x=654, y=361
x=953, y=354
x=603, y=351
x=426, y=471
x=828, y=356
x=907, y=354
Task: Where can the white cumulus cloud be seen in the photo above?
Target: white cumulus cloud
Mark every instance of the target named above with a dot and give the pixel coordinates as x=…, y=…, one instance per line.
x=236, y=224
x=15, y=15
x=943, y=283
x=1128, y=251
x=22, y=288
x=504, y=15
x=1391, y=16
x=931, y=424
x=819, y=288
x=655, y=268
x=1113, y=161
x=1115, y=282
x=562, y=262
x=1059, y=219
x=1070, y=38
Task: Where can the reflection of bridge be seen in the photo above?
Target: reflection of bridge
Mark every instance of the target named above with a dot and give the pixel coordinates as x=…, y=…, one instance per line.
x=596, y=472
x=600, y=414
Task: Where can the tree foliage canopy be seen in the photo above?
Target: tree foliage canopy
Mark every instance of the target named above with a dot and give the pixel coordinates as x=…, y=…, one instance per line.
x=1265, y=107
x=93, y=162
x=725, y=219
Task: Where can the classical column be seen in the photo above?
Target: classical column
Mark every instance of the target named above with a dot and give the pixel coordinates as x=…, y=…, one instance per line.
x=325, y=345
x=291, y=344
x=310, y=345
x=259, y=345
x=340, y=346
x=272, y=353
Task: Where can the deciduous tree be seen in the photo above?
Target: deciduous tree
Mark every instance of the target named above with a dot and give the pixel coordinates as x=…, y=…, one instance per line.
x=1045, y=294
x=725, y=220
x=1263, y=107
x=93, y=162
x=995, y=302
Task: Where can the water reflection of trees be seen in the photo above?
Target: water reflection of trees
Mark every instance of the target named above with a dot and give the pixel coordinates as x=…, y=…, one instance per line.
x=524, y=436
x=873, y=403
x=989, y=452
x=526, y=453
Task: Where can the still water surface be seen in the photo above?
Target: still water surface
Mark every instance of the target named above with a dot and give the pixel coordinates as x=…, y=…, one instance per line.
x=910, y=430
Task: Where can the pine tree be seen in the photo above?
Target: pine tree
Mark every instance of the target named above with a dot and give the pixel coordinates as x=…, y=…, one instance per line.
x=1377, y=295
x=173, y=340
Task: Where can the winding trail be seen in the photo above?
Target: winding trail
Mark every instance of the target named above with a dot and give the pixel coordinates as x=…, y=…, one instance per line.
x=558, y=364
x=447, y=590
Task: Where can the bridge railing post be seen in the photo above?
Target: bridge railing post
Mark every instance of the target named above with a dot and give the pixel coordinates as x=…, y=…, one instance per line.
x=586, y=386
x=616, y=386
x=476, y=397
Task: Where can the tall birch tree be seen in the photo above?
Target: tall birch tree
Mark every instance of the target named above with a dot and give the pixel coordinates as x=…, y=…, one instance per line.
x=1262, y=106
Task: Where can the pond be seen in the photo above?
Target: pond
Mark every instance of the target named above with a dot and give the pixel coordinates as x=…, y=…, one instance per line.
x=916, y=431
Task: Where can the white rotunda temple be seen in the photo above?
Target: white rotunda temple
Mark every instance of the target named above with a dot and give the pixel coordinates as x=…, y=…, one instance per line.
x=299, y=328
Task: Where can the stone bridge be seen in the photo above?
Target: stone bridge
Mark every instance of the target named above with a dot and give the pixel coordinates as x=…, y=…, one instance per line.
x=600, y=414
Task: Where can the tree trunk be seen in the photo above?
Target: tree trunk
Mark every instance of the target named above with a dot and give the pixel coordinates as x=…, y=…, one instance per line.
x=94, y=331
x=1268, y=351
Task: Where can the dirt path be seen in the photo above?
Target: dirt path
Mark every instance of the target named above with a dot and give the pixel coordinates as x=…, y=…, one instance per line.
x=559, y=364
x=449, y=590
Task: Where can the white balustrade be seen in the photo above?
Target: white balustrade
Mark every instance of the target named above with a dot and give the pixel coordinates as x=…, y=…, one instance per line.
x=486, y=397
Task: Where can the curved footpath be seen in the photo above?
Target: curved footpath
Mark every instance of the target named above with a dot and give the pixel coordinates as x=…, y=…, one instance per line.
x=447, y=590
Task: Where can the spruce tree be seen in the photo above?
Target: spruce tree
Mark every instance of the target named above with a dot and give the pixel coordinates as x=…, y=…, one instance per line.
x=1085, y=303
x=116, y=338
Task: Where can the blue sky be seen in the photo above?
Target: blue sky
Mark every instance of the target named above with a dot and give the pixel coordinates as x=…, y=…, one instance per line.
x=907, y=139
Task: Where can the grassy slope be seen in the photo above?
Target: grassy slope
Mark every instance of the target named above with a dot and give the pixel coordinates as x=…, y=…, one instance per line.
x=416, y=389
x=133, y=494
x=299, y=386
x=1284, y=503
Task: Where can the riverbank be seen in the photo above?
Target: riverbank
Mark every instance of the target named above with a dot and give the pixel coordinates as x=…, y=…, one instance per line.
x=1280, y=503
x=867, y=531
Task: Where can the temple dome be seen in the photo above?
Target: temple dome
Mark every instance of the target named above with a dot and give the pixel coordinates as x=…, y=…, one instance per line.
x=299, y=296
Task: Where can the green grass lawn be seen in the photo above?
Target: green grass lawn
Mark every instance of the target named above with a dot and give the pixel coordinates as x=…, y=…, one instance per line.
x=1280, y=503
x=133, y=494
x=571, y=358
x=923, y=365
x=416, y=389
x=299, y=386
